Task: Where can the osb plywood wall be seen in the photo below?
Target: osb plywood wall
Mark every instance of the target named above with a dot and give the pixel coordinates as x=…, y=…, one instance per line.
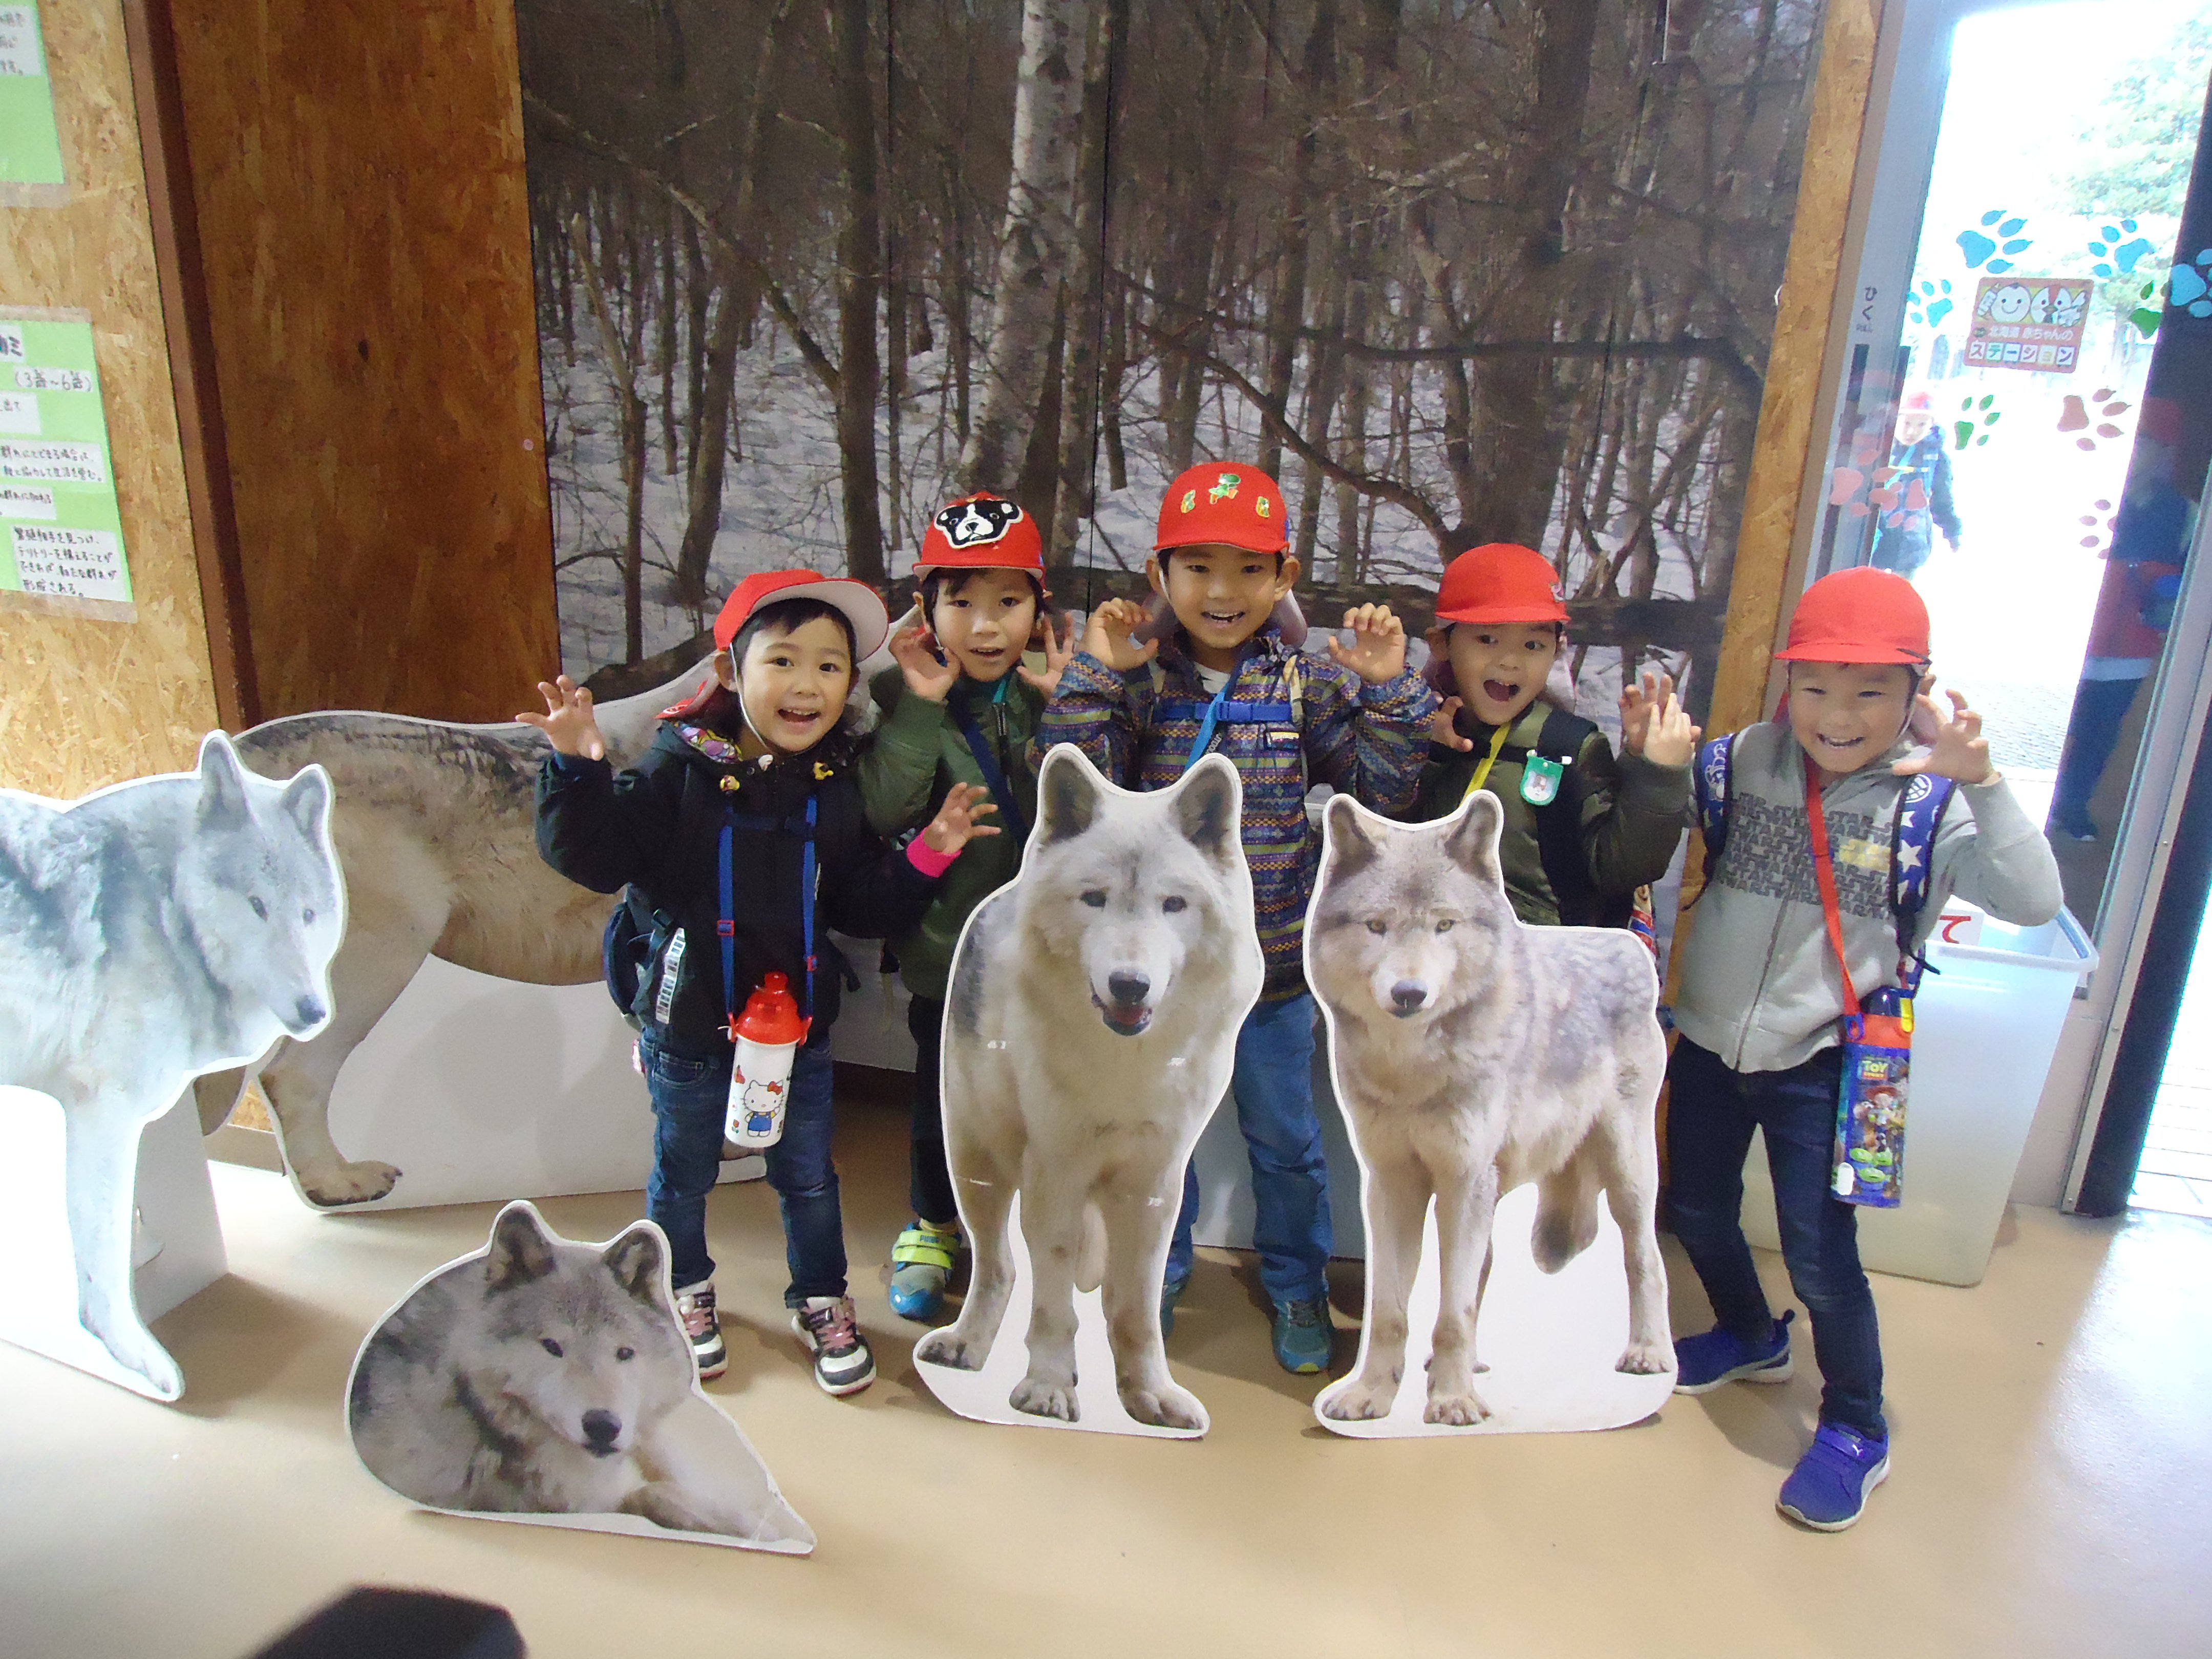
x=84, y=703
x=357, y=168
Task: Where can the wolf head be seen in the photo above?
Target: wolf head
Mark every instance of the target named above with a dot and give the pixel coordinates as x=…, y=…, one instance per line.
x=1128, y=888
x=580, y=1338
x=261, y=885
x=1406, y=918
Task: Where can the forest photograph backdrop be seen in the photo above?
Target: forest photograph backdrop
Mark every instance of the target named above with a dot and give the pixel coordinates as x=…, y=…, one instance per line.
x=807, y=268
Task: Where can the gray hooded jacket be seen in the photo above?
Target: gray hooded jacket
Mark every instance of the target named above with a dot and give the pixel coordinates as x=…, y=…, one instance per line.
x=1759, y=984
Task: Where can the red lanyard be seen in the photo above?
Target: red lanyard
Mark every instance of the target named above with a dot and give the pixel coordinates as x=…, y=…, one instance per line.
x=1823, y=872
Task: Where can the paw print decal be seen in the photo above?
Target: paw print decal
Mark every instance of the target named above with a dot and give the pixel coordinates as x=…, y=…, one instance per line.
x=2074, y=416
x=2008, y=241
x=1977, y=416
x=1930, y=303
x=2189, y=288
x=2115, y=258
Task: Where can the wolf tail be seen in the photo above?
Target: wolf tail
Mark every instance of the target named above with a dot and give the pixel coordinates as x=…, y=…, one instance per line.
x=1091, y=1257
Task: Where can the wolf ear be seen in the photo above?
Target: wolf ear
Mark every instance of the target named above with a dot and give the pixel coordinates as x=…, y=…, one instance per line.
x=1068, y=795
x=1206, y=807
x=307, y=801
x=520, y=1251
x=635, y=1260
x=1351, y=847
x=1472, y=840
x=223, y=784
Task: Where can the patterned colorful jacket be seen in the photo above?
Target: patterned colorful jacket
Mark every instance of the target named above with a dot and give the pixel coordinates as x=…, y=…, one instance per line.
x=1367, y=741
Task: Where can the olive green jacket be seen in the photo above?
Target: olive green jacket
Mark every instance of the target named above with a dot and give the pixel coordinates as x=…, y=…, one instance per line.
x=1630, y=812
x=919, y=753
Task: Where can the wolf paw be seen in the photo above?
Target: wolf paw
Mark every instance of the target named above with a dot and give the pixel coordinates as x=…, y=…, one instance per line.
x=141, y=1353
x=1459, y=1410
x=1166, y=1406
x=350, y=1183
x=948, y=1347
x=1362, y=1402
x=1041, y=1399
x=1648, y=1358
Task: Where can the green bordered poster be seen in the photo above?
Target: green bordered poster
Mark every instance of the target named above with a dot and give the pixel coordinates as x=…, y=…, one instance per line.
x=30, y=145
x=61, y=535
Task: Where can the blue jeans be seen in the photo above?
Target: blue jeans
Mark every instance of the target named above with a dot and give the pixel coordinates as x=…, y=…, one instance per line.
x=1711, y=1111
x=690, y=1093
x=1273, y=1087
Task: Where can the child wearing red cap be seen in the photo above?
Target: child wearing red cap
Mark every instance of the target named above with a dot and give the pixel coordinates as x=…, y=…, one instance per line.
x=1228, y=680
x=960, y=710
x=1762, y=994
x=1583, y=830
x=740, y=836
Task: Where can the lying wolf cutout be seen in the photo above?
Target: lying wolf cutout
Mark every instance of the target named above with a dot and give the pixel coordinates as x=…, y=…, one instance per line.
x=1089, y=1034
x=434, y=826
x=1473, y=1054
x=541, y=1376
x=151, y=932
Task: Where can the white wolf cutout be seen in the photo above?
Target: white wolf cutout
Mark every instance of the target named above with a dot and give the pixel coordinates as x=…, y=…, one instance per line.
x=436, y=827
x=151, y=932
x=1089, y=1034
x=541, y=1378
x=1473, y=1054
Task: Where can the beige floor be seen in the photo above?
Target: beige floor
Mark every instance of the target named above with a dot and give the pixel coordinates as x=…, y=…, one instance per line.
x=2052, y=1495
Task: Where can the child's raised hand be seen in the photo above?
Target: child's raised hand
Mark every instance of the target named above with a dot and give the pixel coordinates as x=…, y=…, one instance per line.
x=1443, y=727
x=1058, y=652
x=1107, y=636
x=955, y=824
x=567, y=720
x=1655, y=725
x=1377, y=651
x=1958, y=750
x=915, y=649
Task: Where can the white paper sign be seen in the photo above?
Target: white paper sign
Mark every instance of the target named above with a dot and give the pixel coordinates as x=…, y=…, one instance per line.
x=19, y=413
x=82, y=565
x=59, y=463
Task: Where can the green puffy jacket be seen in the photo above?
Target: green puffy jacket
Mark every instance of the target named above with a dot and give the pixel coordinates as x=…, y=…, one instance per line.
x=1614, y=828
x=917, y=755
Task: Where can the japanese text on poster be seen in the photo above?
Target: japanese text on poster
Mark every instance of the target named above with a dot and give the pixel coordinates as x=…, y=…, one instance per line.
x=2029, y=322
x=30, y=143
x=61, y=534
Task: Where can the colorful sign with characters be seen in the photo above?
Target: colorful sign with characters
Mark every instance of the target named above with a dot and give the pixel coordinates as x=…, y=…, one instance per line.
x=2029, y=322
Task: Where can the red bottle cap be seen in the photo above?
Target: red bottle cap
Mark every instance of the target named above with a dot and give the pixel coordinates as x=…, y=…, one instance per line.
x=771, y=1016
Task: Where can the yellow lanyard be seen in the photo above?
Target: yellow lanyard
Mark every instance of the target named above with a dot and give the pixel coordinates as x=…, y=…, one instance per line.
x=1482, y=771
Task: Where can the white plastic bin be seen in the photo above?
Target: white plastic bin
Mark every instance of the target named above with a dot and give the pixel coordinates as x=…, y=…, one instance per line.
x=1987, y=1022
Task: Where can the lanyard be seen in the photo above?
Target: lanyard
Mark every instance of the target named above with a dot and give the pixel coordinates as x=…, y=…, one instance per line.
x=1482, y=771
x=987, y=761
x=725, y=924
x=1209, y=720
x=1823, y=872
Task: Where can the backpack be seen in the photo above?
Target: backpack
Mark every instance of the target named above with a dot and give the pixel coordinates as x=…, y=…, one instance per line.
x=1919, y=814
x=1560, y=830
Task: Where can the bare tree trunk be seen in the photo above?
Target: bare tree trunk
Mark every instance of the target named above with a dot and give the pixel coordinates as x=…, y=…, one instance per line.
x=698, y=289
x=1079, y=354
x=1286, y=307
x=1033, y=243
x=860, y=258
x=630, y=410
x=664, y=344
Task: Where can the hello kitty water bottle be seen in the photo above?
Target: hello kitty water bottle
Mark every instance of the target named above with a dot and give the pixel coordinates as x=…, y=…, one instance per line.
x=768, y=1035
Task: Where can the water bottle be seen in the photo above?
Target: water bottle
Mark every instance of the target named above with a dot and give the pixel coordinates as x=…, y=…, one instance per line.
x=767, y=1035
x=1877, y=1071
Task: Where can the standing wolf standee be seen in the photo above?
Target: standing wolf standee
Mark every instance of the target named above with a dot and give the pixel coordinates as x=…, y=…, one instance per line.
x=151, y=933
x=1472, y=1054
x=1089, y=1034
x=435, y=828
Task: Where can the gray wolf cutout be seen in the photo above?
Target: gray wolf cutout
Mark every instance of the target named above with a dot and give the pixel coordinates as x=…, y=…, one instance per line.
x=546, y=1377
x=152, y=932
x=1089, y=1035
x=434, y=827
x=1473, y=1054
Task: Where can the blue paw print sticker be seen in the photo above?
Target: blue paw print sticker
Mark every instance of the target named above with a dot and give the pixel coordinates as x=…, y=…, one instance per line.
x=2189, y=288
x=1978, y=246
x=2115, y=258
x=1929, y=302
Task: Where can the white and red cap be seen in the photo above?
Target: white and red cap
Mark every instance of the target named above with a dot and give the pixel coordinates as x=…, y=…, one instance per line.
x=862, y=606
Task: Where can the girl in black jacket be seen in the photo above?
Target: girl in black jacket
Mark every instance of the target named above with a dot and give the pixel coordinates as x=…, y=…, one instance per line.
x=760, y=753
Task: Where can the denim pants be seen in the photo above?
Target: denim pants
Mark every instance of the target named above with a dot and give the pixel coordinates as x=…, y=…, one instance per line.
x=690, y=1093
x=929, y=1178
x=1711, y=1114
x=1273, y=1087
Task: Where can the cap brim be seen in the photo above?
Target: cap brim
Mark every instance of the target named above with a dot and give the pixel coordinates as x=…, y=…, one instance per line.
x=861, y=604
x=1870, y=653
x=1527, y=615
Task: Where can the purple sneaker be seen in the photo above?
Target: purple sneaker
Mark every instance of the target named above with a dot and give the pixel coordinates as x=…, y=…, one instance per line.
x=1828, y=1491
x=1703, y=1363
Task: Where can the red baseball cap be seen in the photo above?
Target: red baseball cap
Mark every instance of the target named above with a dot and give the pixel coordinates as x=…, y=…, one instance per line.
x=982, y=531
x=1918, y=403
x=1223, y=503
x=1860, y=615
x=860, y=603
x=1500, y=582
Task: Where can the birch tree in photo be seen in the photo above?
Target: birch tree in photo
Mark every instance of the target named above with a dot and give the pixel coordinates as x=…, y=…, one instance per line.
x=1036, y=238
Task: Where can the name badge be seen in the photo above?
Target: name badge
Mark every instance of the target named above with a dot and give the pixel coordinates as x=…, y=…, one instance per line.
x=1539, y=780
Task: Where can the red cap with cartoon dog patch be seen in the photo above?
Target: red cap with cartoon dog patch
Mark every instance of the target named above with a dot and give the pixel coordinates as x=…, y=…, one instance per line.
x=982, y=531
x=1224, y=504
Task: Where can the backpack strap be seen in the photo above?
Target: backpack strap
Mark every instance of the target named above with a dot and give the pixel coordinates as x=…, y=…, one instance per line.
x=1714, y=777
x=1919, y=815
x=1559, y=828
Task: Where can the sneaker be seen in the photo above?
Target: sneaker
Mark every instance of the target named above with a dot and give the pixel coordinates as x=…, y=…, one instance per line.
x=696, y=1308
x=1828, y=1491
x=842, y=1363
x=1702, y=1363
x=1303, y=1337
x=1171, y=1291
x=921, y=1262
x=2074, y=826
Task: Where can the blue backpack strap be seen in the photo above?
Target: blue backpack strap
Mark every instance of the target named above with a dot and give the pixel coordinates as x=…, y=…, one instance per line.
x=1715, y=775
x=1920, y=808
x=995, y=776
